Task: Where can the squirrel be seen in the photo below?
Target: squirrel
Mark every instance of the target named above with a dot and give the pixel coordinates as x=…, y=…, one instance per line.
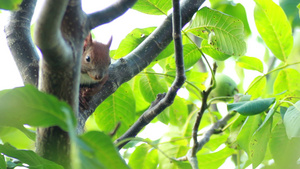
x=95, y=61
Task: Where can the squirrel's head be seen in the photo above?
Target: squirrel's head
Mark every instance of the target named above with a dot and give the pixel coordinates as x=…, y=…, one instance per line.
x=95, y=58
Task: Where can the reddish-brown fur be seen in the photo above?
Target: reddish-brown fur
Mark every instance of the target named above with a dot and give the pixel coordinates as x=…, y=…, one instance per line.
x=95, y=61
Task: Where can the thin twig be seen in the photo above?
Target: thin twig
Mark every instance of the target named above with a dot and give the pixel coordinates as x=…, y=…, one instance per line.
x=219, y=124
x=204, y=106
x=163, y=100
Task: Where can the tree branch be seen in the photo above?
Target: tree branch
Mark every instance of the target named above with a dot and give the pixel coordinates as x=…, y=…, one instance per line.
x=60, y=39
x=204, y=106
x=193, y=159
x=48, y=35
x=162, y=101
x=126, y=68
x=110, y=13
x=20, y=43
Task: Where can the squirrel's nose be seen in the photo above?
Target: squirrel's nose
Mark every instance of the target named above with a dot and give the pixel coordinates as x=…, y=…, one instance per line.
x=98, y=77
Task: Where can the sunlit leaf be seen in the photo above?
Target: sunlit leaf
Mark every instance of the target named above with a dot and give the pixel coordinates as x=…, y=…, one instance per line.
x=16, y=138
x=257, y=87
x=2, y=161
x=178, y=112
x=119, y=107
x=225, y=33
x=172, y=151
x=249, y=127
x=285, y=151
x=168, y=51
x=131, y=41
x=10, y=4
x=258, y=143
x=251, y=63
x=287, y=80
x=29, y=157
x=103, y=150
x=214, y=160
x=150, y=86
x=27, y=105
x=144, y=157
x=191, y=56
x=153, y=7
x=291, y=121
x=216, y=141
x=212, y=52
x=273, y=26
x=236, y=10
x=196, y=78
x=141, y=103
x=251, y=107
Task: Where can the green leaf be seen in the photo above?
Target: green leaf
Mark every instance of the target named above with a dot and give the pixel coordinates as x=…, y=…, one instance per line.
x=236, y=10
x=2, y=161
x=27, y=105
x=216, y=141
x=153, y=7
x=251, y=107
x=286, y=80
x=178, y=112
x=119, y=107
x=196, y=78
x=212, y=52
x=250, y=125
x=144, y=157
x=285, y=151
x=250, y=63
x=258, y=143
x=292, y=13
x=16, y=138
x=168, y=51
x=103, y=150
x=172, y=151
x=191, y=56
x=225, y=33
x=273, y=26
x=214, y=160
x=131, y=41
x=29, y=157
x=298, y=6
x=291, y=121
x=150, y=86
x=269, y=116
x=257, y=86
x=140, y=103
x=10, y=4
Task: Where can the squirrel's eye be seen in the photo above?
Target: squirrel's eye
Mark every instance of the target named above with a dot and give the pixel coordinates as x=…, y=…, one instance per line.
x=87, y=58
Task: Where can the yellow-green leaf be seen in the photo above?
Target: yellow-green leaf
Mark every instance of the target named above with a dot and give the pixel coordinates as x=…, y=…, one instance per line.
x=224, y=32
x=257, y=87
x=153, y=7
x=274, y=27
x=287, y=80
x=10, y=4
x=212, y=52
x=250, y=63
x=119, y=107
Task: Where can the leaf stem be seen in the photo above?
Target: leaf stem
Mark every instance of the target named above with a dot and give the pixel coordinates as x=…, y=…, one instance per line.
x=279, y=68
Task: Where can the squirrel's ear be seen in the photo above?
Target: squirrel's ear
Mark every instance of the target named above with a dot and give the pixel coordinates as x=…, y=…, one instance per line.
x=88, y=40
x=109, y=42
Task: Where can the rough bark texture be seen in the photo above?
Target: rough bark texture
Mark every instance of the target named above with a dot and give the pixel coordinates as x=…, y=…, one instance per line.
x=20, y=43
